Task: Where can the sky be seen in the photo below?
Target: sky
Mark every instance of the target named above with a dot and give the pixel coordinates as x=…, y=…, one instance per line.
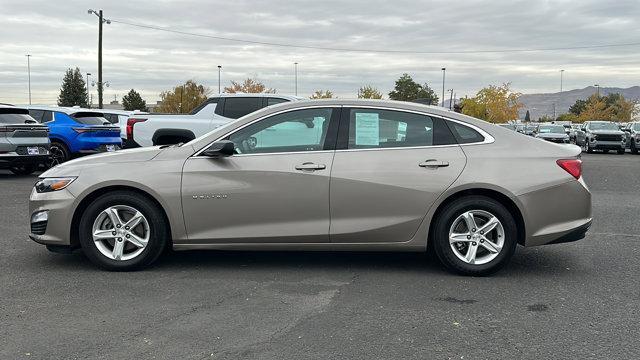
x=60, y=34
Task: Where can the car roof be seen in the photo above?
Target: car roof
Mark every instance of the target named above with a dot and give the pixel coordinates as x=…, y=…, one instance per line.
x=280, y=96
x=64, y=109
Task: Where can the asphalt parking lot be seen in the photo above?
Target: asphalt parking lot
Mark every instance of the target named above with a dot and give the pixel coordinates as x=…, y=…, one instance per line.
x=576, y=300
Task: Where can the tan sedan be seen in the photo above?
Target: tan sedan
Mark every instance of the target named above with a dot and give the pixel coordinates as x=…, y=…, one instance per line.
x=322, y=175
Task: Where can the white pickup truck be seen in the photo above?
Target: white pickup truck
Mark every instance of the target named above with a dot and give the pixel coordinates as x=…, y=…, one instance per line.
x=152, y=129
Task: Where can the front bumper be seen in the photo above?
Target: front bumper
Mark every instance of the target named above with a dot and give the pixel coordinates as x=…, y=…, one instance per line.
x=607, y=145
x=60, y=205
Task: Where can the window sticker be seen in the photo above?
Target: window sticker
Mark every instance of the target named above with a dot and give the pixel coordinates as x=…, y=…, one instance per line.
x=367, y=129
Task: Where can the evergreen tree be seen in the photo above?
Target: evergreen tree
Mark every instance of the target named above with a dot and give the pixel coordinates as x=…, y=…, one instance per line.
x=527, y=117
x=133, y=101
x=408, y=90
x=73, y=91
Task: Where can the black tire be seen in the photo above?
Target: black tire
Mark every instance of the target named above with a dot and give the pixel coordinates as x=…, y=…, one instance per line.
x=59, y=154
x=621, y=151
x=634, y=149
x=158, y=231
x=444, y=221
x=24, y=169
x=589, y=149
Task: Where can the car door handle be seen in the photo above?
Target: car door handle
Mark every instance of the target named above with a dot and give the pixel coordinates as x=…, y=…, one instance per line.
x=433, y=163
x=309, y=166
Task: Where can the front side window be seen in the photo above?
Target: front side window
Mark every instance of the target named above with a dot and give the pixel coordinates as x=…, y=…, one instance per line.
x=299, y=130
x=237, y=107
x=372, y=128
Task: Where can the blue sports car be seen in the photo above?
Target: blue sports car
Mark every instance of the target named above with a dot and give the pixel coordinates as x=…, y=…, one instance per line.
x=76, y=131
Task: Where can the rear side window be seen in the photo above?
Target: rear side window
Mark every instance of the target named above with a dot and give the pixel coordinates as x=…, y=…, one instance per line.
x=112, y=118
x=36, y=114
x=273, y=101
x=465, y=134
x=15, y=116
x=238, y=107
x=371, y=129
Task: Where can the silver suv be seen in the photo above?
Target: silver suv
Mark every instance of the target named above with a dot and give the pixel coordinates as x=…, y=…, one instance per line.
x=24, y=144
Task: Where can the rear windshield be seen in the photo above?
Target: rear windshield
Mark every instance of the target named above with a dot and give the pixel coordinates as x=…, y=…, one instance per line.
x=15, y=116
x=90, y=118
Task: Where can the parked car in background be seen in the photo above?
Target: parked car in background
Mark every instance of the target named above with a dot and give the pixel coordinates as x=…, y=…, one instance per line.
x=553, y=133
x=511, y=127
x=321, y=175
x=572, y=132
x=152, y=129
x=75, y=131
x=632, y=135
x=530, y=130
x=24, y=144
x=120, y=117
x=601, y=135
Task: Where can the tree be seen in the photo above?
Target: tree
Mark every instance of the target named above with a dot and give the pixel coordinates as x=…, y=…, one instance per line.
x=426, y=95
x=496, y=104
x=133, y=101
x=183, y=98
x=527, y=116
x=248, y=86
x=568, y=117
x=321, y=94
x=595, y=109
x=408, y=90
x=578, y=107
x=73, y=91
x=369, y=92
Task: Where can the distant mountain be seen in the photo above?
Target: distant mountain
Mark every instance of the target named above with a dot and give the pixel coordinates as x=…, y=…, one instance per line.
x=543, y=104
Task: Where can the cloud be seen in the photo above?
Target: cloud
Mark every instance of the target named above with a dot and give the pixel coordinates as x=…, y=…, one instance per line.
x=61, y=35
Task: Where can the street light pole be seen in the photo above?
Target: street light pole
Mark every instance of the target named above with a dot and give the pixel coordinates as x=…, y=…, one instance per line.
x=597, y=89
x=219, y=68
x=29, y=75
x=450, y=98
x=295, y=65
x=561, y=72
x=101, y=20
x=88, y=74
x=444, y=70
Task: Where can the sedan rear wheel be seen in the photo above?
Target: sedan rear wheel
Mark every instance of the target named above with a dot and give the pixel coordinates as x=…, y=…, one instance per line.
x=123, y=231
x=474, y=235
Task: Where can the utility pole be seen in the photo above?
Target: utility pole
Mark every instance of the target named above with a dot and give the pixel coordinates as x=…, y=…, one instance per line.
x=597, y=89
x=29, y=75
x=295, y=65
x=101, y=20
x=88, y=98
x=444, y=70
x=219, y=68
x=561, y=72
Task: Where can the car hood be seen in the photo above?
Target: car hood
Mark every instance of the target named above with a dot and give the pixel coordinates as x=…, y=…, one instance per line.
x=552, y=135
x=73, y=167
x=606, y=132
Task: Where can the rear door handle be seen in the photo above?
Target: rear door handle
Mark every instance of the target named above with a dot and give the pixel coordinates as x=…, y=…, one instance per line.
x=433, y=163
x=309, y=166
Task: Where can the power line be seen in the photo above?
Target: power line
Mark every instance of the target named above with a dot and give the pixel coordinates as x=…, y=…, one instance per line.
x=288, y=45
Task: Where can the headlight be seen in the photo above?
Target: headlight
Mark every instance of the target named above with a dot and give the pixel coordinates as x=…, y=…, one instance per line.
x=53, y=184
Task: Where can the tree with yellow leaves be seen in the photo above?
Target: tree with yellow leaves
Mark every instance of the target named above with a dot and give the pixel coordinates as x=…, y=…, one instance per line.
x=321, y=94
x=183, y=98
x=496, y=104
x=248, y=86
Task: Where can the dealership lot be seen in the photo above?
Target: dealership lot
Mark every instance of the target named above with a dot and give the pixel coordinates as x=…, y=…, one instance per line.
x=576, y=300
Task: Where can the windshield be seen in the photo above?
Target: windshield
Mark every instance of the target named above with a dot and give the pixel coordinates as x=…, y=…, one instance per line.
x=551, y=129
x=603, y=126
x=636, y=127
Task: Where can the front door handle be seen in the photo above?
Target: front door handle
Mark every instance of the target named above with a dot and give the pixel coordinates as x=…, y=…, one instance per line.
x=433, y=163
x=309, y=166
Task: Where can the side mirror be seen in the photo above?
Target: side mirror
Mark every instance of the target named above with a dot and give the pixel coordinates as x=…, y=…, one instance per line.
x=583, y=128
x=220, y=148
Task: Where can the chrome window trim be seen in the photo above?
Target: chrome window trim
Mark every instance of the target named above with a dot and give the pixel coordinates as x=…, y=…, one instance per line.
x=488, y=138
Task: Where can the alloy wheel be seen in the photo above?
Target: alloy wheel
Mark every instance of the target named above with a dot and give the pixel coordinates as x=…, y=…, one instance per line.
x=120, y=232
x=57, y=154
x=476, y=237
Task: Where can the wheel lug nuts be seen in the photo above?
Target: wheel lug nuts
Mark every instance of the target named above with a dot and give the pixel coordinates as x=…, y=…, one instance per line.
x=119, y=239
x=127, y=236
x=468, y=236
x=482, y=232
x=474, y=243
x=473, y=230
x=126, y=228
x=118, y=226
x=113, y=233
x=481, y=241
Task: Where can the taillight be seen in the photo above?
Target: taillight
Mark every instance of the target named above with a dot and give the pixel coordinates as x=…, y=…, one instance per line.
x=130, y=123
x=572, y=166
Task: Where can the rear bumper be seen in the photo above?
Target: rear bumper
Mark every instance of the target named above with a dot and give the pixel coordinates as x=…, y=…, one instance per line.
x=14, y=160
x=90, y=145
x=560, y=213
